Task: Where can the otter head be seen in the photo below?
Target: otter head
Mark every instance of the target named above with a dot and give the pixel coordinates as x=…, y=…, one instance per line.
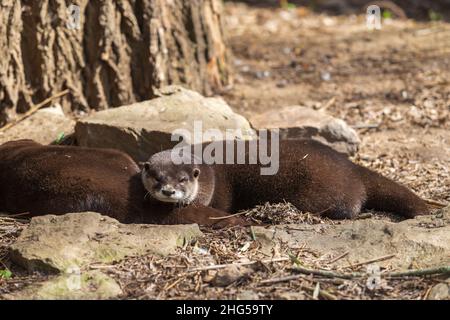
x=168, y=182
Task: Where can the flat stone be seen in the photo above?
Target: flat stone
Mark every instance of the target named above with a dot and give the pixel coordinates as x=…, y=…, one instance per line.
x=296, y=122
x=144, y=128
x=58, y=243
x=417, y=243
x=91, y=285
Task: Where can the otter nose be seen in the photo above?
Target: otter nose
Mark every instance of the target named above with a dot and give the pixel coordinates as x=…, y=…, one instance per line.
x=168, y=192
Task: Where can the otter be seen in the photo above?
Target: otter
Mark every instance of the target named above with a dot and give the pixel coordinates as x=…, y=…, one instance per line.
x=37, y=179
x=312, y=176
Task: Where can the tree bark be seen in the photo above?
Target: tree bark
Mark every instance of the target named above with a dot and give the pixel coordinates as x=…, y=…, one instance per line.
x=118, y=53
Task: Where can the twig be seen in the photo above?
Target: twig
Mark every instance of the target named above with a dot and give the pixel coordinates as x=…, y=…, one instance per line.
x=34, y=109
x=222, y=266
x=366, y=126
x=328, y=104
x=435, y=203
x=284, y=279
x=371, y=261
x=325, y=294
x=230, y=216
x=444, y=270
x=339, y=257
x=174, y=283
x=299, y=276
x=15, y=215
x=327, y=273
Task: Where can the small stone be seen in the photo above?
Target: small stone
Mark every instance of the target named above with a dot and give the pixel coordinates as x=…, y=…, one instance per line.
x=225, y=277
x=440, y=291
x=290, y=296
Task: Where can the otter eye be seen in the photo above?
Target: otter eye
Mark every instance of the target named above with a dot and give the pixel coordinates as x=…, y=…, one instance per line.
x=183, y=179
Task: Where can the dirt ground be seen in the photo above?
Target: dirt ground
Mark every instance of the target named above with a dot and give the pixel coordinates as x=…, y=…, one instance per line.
x=392, y=85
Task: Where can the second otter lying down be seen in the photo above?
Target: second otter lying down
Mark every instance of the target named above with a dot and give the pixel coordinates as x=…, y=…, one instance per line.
x=312, y=176
x=41, y=179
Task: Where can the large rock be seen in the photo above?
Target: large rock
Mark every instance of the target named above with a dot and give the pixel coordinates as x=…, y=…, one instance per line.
x=75, y=240
x=44, y=126
x=91, y=285
x=144, y=128
x=296, y=122
x=420, y=242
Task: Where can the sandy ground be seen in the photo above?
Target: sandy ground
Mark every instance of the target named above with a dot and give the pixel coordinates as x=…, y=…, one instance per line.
x=392, y=85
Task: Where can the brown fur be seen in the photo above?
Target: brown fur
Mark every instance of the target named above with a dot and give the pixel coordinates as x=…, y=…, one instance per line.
x=312, y=176
x=39, y=179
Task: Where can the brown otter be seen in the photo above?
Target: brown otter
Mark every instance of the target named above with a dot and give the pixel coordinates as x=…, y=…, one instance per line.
x=39, y=179
x=312, y=176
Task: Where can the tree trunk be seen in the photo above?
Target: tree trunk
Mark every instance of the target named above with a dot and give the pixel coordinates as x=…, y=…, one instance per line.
x=117, y=52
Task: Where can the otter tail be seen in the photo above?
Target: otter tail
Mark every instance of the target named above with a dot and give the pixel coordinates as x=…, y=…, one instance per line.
x=386, y=195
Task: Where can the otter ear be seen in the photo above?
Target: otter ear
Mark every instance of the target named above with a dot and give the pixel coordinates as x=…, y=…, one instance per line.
x=196, y=172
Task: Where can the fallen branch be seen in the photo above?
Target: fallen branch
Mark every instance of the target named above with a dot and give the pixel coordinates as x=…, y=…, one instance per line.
x=222, y=266
x=299, y=276
x=444, y=270
x=327, y=273
x=339, y=257
x=34, y=109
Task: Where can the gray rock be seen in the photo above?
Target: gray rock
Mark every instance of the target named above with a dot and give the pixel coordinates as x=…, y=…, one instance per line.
x=44, y=126
x=144, y=128
x=441, y=291
x=413, y=241
x=91, y=285
x=296, y=122
x=58, y=243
